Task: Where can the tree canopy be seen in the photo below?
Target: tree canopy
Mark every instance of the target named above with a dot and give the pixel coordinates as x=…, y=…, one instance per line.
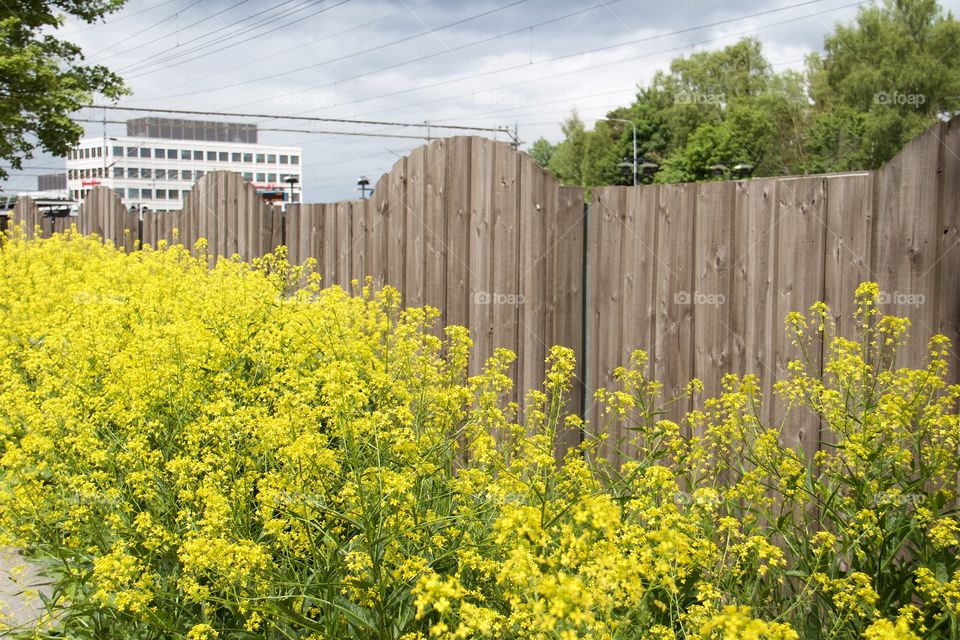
x=43, y=79
x=879, y=82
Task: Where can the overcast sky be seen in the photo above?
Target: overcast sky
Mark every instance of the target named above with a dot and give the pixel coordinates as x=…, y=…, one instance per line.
x=503, y=63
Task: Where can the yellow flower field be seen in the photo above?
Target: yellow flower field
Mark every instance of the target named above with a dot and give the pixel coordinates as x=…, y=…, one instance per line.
x=238, y=452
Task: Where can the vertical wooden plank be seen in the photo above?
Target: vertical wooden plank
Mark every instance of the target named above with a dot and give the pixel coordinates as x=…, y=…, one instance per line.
x=396, y=211
x=435, y=230
x=506, y=269
x=638, y=316
x=948, y=251
x=847, y=253
x=752, y=307
x=331, y=250
x=534, y=217
x=381, y=233
x=568, y=229
x=457, y=177
x=481, y=251
x=712, y=289
x=414, y=245
x=915, y=294
x=609, y=210
x=358, y=241
x=801, y=244
x=294, y=235
x=370, y=242
x=675, y=283
x=344, y=214
x=276, y=221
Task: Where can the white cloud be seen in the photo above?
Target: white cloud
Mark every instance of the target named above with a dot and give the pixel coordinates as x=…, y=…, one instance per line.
x=347, y=47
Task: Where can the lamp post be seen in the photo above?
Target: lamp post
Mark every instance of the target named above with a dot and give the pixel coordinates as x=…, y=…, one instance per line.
x=364, y=183
x=291, y=180
x=634, y=127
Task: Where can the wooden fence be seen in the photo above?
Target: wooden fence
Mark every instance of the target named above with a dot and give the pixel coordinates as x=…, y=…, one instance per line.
x=698, y=275
x=701, y=276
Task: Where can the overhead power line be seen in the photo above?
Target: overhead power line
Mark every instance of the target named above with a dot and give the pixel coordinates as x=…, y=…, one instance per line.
x=354, y=54
x=311, y=131
x=267, y=116
x=113, y=21
x=541, y=78
x=300, y=45
x=154, y=25
x=180, y=55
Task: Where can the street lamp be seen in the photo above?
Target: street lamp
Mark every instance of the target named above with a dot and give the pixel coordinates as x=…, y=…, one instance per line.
x=634, y=127
x=364, y=183
x=291, y=180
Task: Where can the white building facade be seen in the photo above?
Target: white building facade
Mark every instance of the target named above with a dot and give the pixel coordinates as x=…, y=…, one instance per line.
x=156, y=164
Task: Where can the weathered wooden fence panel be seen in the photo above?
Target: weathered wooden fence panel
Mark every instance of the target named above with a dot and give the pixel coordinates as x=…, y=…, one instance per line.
x=700, y=276
x=26, y=213
x=104, y=214
x=730, y=260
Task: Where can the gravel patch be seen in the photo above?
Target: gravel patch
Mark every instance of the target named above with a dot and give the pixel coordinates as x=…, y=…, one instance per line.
x=20, y=586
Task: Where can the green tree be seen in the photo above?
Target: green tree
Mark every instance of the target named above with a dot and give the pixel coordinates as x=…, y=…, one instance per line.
x=42, y=78
x=882, y=80
x=541, y=151
x=567, y=159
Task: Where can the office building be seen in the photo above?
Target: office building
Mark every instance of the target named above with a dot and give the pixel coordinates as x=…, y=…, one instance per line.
x=156, y=164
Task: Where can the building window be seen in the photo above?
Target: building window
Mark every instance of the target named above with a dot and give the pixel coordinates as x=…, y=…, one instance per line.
x=294, y=159
x=118, y=151
x=211, y=156
x=261, y=177
x=144, y=152
x=197, y=155
x=271, y=177
x=120, y=191
x=248, y=157
x=146, y=194
x=159, y=153
x=260, y=158
x=185, y=154
x=161, y=194
x=171, y=154
x=224, y=156
x=198, y=175
x=131, y=152
x=146, y=173
x=161, y=174
x=118, y=172
x=133, y=193
x=284, y=159
x=271, y=158
x=186, y=174
x=133, y=172
x=184, y=194
x=234, y=157
x=247, y=176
